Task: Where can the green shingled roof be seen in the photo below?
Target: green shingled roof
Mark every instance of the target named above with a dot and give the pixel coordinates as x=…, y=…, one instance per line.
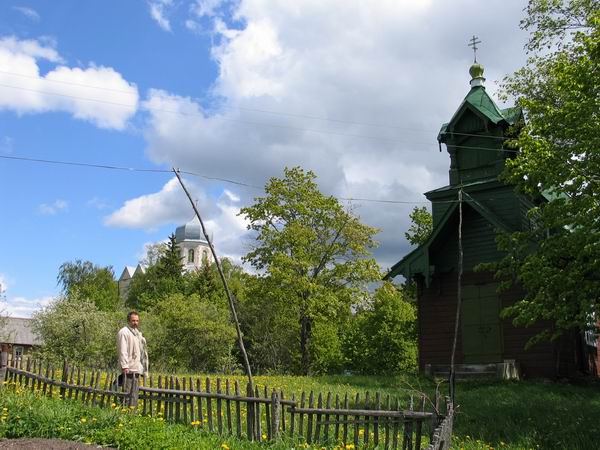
x=479, y=99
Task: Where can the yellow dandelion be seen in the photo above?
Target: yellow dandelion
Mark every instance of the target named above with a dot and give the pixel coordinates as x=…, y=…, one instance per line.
x=224, y=446
x=83, y=420
x=264, y=437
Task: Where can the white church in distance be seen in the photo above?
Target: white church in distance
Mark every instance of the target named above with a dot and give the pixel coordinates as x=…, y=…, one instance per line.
x=193, y=248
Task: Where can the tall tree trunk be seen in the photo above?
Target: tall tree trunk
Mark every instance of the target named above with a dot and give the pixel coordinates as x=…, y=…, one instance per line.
x=305, y=335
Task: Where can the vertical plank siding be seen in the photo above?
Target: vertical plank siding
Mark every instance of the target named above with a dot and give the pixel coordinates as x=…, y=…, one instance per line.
x=260, y=414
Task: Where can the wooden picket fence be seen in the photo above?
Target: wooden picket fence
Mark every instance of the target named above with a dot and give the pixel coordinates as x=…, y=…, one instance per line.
x=258, y=414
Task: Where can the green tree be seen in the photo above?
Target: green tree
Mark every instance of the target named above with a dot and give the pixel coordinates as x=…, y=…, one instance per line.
x=313, y=249
x=421, y=226
x=160, y=280
x=382, y=338
x=558, y=260
x=89, y=281
x=74, y=328
x=191, y=333
x=153, y=253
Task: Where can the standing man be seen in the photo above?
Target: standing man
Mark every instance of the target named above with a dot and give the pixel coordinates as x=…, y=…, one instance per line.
x=133, y=355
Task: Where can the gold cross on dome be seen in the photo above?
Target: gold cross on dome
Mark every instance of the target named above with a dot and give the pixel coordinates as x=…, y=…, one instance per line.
x=473, y=44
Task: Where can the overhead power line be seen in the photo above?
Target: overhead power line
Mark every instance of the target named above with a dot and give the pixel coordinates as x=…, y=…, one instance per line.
x=207, y=177
x=263, y=111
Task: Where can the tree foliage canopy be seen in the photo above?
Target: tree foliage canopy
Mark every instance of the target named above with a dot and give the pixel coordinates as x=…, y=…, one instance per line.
x=160, y=280
x=421, y=226
x=91, y=282
x=315, y=251
x=558, y=260
x=382, y=338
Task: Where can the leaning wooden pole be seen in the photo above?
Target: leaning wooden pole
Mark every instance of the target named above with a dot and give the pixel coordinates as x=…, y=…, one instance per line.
x=452, y=380
x=225, y=285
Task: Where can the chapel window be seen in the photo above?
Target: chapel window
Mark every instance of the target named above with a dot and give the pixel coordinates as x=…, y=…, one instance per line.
x=191, y=255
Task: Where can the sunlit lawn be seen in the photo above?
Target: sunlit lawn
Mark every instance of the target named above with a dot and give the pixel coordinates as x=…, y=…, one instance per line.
x=491, y=414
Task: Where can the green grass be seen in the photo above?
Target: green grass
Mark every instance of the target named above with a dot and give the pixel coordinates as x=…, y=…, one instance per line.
x=491, y=414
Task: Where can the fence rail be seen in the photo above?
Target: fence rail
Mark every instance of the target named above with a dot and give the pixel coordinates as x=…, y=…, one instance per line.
x=258, y=414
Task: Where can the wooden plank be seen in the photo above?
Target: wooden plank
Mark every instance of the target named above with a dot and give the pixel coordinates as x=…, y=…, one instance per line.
x=39, y=371
x=209, y=406
x=200, y=411
x=96, y=386
x=28, y=366
x=238, y=411
x=268, y=410
x=282, y=418
x=301, y=415
x=317, y=437
x=367, y=418
x=395, y=427
x=249, y=413
x=376, y=420
x=40, y=368
x=388, y=406
x=356, y=426
x=178, y=404
x=257, y=416
x=309, y=425
x=64, y=378
x=87, y=395
x=337, y=418
x=191, y=405
x=80, y=382
x=47, y=375
x=328, y=406
x=419, y=425
x=53, y=376
x=346, y=406
x=275, y=416
x=147, y=403
x=219, y=408
x=171, y=397
x=408, y=428
x=228, y=406
x=158, y=402
x=292, y=418
x=185, y=400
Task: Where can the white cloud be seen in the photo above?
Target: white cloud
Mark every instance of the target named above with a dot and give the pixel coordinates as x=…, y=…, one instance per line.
x=149, y=211
x=392, y=70
x=231, y=196
x=28, y=12
x=207, y=8
x=3, y=284
x=98, y=203
x=97, y=94
x=158, y=9
x=171, y=206
x=53, y=208
x=29, y=47
x=24, y=307
x=6, y=144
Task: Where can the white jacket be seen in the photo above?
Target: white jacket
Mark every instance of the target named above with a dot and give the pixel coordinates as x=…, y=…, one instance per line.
x=131, y=347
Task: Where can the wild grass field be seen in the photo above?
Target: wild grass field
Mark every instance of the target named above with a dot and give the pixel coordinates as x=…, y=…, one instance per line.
x=490, y=414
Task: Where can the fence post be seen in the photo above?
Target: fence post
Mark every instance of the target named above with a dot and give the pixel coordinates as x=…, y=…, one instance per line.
x=3, y=362
x=276, y=414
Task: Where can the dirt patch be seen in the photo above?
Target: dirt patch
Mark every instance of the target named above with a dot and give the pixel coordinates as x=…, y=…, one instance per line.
x=46, y=444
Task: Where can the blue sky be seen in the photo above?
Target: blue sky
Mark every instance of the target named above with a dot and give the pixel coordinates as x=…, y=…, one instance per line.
x=353, y=90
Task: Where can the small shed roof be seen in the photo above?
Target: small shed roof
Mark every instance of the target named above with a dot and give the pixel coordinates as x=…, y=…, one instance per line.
x=17, y=330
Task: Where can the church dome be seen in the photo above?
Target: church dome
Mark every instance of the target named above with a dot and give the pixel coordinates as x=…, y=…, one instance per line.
x=191, y=231
x=476, y=70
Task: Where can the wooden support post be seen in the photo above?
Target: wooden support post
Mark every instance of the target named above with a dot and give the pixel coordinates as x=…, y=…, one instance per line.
x=275, y=415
